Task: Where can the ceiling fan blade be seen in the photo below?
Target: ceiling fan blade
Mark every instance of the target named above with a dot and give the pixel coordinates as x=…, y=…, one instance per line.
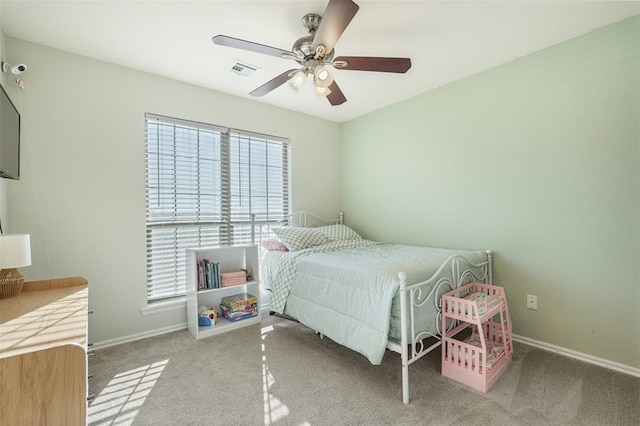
x=372, y=63
x=336, y=97
x=273, y=83
x=224, y=40
x=335, y=20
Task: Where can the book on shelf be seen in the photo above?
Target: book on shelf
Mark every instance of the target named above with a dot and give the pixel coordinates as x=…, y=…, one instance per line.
x=208, y=275
x=200, y=280
x=217, y=275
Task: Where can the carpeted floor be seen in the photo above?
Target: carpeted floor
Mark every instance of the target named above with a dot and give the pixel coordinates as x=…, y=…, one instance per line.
x=281, y=373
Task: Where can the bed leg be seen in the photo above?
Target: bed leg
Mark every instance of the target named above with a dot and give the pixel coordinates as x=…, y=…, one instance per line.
x=405, y=382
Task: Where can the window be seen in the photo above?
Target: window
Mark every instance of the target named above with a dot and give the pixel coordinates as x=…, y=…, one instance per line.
x=207, y=186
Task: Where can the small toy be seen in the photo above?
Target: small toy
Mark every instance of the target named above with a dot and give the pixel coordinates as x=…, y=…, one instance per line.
x=204, y=322
x=207, y=316
x=249, y=274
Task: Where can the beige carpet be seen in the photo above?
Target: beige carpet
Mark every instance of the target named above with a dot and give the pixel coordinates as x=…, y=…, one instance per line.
x=281, y=373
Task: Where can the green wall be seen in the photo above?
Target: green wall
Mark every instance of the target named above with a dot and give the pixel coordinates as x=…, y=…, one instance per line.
x=537, y=160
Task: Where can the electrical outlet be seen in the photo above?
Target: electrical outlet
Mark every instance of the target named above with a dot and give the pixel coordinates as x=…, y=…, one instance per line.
x=532, y=302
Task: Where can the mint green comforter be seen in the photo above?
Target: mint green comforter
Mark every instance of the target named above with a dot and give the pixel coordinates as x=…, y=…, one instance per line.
x=351, y=294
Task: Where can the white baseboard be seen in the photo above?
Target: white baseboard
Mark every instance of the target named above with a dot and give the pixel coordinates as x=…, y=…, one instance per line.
x=264, y=310
x=622, y=368
x=139, y=336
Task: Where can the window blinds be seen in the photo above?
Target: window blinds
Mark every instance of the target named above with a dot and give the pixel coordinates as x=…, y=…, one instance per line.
x=204, y=183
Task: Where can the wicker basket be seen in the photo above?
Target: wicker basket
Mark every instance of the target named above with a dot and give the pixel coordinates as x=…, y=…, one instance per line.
x=10, y=283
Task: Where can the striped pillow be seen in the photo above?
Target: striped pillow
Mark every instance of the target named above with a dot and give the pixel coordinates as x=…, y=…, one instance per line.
x=297, y=238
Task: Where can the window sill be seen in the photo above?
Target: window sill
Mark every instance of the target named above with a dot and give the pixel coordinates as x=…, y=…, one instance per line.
x=159, y=307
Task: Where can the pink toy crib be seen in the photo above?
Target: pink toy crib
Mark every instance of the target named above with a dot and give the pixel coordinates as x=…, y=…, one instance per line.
x=479, y=359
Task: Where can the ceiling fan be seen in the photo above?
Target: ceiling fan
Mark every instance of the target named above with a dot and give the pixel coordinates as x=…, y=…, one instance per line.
x=316, y=56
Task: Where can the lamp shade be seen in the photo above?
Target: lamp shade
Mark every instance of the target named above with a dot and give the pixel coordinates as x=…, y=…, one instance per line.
x=15, y=251
x=323, y=76
x=322, y=91
x=297, y=81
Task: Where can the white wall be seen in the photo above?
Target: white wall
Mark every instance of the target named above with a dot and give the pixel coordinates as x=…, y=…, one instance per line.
x=82, y=192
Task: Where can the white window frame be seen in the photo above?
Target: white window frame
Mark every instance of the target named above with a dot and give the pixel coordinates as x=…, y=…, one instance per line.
x=205, y=209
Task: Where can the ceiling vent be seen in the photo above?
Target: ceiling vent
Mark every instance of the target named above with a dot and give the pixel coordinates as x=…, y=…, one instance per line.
x=243, y=68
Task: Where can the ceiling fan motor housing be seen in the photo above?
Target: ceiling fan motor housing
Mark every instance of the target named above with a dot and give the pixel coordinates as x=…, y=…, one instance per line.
x=302, y=47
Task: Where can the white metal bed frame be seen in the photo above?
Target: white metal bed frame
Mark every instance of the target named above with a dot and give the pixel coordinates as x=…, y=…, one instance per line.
x=416, y=296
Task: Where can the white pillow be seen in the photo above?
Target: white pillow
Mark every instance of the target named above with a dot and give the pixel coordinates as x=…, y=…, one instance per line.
x=297, y=238
x=338, y=232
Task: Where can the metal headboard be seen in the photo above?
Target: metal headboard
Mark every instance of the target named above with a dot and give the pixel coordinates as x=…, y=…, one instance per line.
x=302, y=218
x=307, y=219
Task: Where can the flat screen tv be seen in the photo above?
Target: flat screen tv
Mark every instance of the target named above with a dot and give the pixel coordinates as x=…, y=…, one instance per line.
x=9, y=138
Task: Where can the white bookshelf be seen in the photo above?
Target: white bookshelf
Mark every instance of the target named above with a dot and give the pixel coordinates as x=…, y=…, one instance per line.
x=231, y=259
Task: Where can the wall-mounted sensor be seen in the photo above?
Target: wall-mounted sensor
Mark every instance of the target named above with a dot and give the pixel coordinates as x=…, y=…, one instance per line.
x=15, y=69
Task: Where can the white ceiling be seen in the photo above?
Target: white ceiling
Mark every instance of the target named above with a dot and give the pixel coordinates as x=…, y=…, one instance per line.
x=446, y=40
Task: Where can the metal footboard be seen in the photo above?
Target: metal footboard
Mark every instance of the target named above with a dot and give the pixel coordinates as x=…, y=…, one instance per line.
x=426, y=295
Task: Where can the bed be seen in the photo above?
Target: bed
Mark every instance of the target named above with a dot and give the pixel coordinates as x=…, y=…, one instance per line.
x=366, y=295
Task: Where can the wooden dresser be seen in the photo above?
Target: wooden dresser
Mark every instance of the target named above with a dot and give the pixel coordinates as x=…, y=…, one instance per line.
x=43, y=354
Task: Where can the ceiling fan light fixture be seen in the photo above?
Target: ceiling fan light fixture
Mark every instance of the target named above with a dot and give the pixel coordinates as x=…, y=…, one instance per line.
x=322, y=91
x=323, y=76
x=297, y=81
